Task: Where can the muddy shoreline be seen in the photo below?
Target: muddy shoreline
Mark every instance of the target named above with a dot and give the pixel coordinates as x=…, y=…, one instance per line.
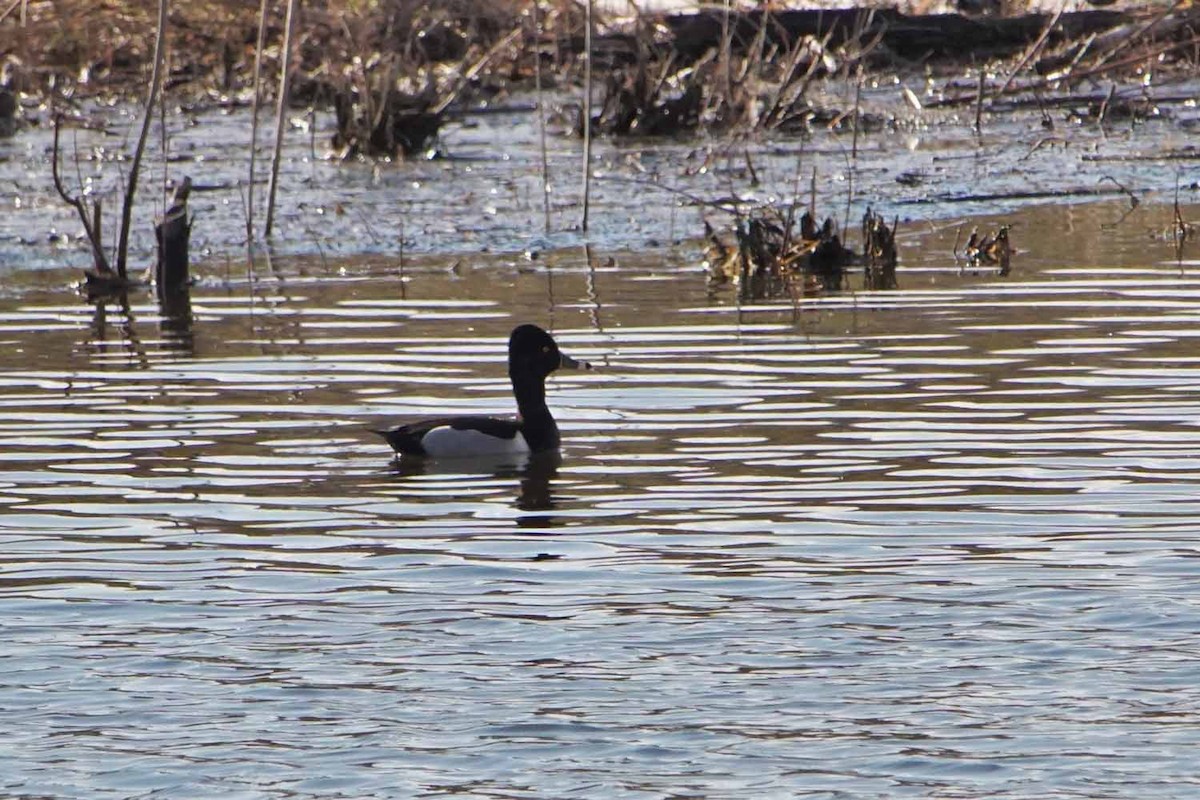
x=55, y=54
x=872, y=122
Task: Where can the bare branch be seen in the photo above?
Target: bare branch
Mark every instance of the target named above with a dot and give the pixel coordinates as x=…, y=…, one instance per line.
x=93, y=233
x=131, y=190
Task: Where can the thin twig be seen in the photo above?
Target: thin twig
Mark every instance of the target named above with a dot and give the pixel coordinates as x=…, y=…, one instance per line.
x=1135, y=36
x=857, y=113
x=790, y=62
x=812, y=192
x=1180, y=226
x=1133, y=200
x=979, y=102
x=469, y=74
x=1034, y=48
x=12, y=7
x=1058, y=77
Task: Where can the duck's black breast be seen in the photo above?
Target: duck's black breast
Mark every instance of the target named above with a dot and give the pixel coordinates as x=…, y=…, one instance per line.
x=415, y=439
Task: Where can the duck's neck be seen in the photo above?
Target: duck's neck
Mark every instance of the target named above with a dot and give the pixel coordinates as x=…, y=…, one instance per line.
x=538, y=426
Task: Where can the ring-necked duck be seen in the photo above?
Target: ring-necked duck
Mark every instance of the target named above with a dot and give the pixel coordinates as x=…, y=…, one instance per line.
x=532, y=356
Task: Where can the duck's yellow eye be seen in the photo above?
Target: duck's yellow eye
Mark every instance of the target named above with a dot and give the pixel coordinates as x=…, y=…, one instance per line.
x=546, y=348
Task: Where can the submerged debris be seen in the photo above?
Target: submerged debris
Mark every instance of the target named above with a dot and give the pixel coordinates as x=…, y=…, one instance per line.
x=993, y=250
x=643, y=101
x=394, y=125
x=8, y=112
x=879, y=251
x=409, y=64
x=663, y=94
x=770, y=257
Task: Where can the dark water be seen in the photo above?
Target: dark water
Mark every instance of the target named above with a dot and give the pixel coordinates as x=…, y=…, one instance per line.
x=936, y=542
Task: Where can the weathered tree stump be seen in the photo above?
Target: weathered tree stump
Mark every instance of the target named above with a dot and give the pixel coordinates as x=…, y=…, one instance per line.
x=173, y=233
x=879, y=251
x=8, y=112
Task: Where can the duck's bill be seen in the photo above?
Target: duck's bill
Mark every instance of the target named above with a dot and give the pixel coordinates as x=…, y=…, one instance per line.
x=566, y=362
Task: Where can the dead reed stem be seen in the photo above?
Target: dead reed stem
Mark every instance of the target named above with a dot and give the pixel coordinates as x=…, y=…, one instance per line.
x=541, y=104
x=1070, y=76
x=281, y=111
x=1179, y=230
x=97, y=247
x=258, y=53
x=12, y=7
x=1137, y=35
x=163, y=143
x=850, y=170
x=1033, y=49
x=979, y=102
x=857, y=113
x=797, y=178
x=726, y=62
x=136, y=165
x=812, y=192
x=91, y=224
x=587, y=112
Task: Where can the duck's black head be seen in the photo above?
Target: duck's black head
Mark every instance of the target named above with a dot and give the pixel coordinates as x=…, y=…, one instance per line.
x=533, y=352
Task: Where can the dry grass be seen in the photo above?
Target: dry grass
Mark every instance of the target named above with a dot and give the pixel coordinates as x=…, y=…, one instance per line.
x=79, y=45
x=89, y=47
x=426, y=53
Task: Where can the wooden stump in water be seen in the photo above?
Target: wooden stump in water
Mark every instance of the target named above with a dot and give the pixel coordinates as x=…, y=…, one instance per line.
x=8, y=112
x=173, y=233
x=879, y=251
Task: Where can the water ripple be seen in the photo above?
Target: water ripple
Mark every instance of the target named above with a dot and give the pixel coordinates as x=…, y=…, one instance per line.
x=923, y=543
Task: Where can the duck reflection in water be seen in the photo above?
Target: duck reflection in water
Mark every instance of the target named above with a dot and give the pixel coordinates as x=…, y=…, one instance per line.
x=535, y=474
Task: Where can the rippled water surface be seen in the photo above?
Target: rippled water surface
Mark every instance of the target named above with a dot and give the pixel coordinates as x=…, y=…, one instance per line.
x=934, y=542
